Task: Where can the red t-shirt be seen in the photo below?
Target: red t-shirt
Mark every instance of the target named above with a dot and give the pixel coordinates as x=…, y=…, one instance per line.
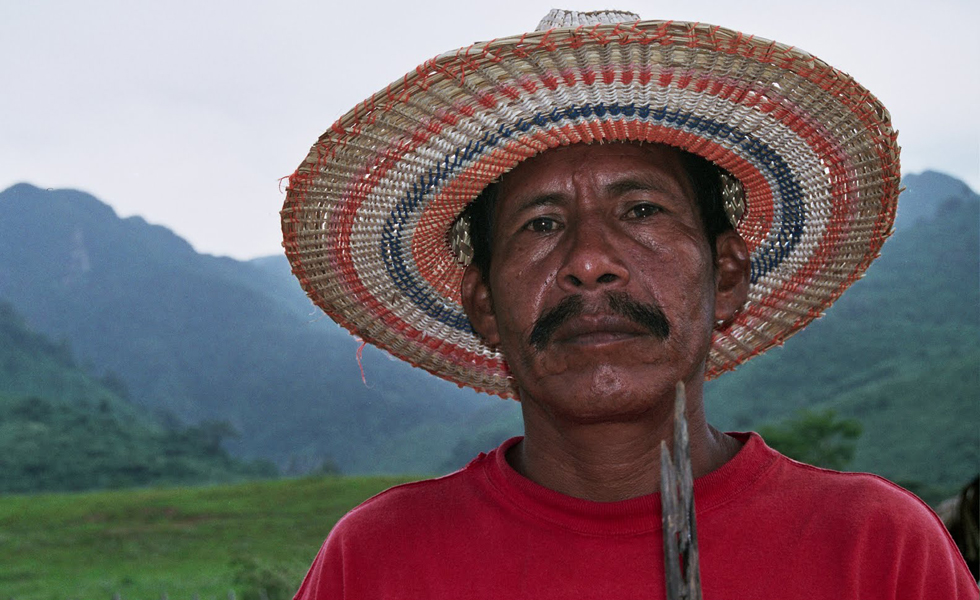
x=768, y=528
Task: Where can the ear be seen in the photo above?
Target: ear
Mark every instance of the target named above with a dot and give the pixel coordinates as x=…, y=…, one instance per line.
x=731, y=275
x=478, y=304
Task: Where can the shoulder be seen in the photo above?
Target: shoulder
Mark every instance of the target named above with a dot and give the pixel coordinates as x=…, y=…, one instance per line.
x=404, y=507
x=859, y=496
x=771, y=477
x=872, y=522
x=799, y=494
x=385, y=529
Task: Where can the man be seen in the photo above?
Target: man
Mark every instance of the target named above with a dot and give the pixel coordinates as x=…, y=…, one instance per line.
x=607, y=291
x=639, y=204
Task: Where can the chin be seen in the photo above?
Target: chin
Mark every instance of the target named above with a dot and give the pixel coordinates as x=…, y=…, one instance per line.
x=602, y=393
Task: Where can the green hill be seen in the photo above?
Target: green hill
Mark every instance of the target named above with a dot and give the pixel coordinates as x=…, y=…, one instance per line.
x=899, y=350
x=32, y=365
x=209, y=338
x=921, y=428
x=61, y=429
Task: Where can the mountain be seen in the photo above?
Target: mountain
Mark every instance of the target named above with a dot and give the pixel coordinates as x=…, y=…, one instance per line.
x=925, y=193
x=33, y=365
x=61, y=429
x=210, y=338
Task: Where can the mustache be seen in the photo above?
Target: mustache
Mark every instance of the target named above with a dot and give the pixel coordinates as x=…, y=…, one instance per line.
x=649, y=316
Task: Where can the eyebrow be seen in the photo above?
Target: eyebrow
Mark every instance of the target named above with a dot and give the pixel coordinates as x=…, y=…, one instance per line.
x=641, y=184
x=628, y=183
x=552, y=199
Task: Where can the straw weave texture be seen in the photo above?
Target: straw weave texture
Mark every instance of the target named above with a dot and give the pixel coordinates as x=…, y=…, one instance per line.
x=367, y=216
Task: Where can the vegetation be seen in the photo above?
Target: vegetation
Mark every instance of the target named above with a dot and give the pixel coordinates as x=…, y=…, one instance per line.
x=920, y=429
x=256, y=580
x=69, y=446
x=816, y=437
x=169, y=332
x=205, y=338
x=90, y=436
x=176, y=542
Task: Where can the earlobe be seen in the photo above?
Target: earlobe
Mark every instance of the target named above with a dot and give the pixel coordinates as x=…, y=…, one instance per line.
x=732, y=269
x=478, y=304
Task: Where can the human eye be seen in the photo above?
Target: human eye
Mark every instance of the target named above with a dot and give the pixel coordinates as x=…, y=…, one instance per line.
x=541, y=225
x=642, y=211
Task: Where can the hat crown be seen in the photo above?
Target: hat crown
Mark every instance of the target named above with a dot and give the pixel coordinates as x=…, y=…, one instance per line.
x=560, y=18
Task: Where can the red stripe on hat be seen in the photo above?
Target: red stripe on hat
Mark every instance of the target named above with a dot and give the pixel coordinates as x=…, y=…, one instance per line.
x=443, y=273
x=755, y=226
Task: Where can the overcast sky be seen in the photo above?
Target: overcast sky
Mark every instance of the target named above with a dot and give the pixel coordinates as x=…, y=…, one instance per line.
x=188, y=113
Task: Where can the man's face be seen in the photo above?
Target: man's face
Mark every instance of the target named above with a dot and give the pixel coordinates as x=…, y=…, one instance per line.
x=601, y=292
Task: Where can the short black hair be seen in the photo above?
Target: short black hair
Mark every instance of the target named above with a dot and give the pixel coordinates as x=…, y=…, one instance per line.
x=703, y=175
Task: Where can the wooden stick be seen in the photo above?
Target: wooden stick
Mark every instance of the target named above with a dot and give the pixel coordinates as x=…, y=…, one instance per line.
x=681, y=566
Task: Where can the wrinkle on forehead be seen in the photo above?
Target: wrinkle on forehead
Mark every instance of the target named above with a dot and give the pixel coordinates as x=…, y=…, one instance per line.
x=667, y=176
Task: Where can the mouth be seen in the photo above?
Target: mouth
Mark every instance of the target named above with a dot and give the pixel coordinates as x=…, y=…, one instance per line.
x=624, y=318
x=598, y=330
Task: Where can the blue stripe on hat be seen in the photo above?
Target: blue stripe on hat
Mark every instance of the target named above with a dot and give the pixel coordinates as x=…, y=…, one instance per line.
x=766, y=258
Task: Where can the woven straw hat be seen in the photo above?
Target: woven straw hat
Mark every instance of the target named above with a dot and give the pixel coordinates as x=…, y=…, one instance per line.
x=369, y=214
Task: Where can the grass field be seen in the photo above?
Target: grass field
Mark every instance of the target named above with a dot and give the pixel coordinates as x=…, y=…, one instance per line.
x=175, y=542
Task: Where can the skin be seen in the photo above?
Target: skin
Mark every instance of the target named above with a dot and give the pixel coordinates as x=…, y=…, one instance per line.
x=597, y=397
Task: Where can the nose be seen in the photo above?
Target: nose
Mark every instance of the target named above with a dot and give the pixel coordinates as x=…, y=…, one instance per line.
x=591, y=259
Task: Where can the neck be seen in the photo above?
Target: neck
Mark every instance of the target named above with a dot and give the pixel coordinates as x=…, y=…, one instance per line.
x=607, y=461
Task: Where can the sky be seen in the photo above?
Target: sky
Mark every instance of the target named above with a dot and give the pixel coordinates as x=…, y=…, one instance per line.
x=189, y=113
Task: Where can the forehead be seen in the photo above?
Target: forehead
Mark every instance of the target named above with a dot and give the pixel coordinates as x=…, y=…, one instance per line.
x=561, y=169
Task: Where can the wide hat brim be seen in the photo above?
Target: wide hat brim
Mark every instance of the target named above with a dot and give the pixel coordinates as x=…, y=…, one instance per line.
x=367, y=217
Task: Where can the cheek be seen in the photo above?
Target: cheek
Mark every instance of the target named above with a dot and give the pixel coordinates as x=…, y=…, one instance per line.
x=525, y=288
x=533, y=266
x=521, y=286
x=515, y=309
x=680, y=278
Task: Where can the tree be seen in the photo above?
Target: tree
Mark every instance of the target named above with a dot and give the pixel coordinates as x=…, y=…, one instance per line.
x=816, y=437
